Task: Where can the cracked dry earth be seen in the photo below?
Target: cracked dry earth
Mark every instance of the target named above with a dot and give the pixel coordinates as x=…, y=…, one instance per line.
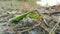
x=8, y=9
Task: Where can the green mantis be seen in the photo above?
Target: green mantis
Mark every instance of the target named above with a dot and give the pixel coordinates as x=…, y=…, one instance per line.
x=19, y=17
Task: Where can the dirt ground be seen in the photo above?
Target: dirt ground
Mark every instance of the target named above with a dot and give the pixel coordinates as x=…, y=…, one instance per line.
x=9, y=9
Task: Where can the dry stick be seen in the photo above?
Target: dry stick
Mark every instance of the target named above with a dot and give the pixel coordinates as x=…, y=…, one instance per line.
x=45, y=22
x=54, y=28
x=41, y=25
x=30, y=28
x=25, y=27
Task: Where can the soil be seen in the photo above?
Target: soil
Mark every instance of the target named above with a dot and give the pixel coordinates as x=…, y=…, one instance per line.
x=10, y=9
